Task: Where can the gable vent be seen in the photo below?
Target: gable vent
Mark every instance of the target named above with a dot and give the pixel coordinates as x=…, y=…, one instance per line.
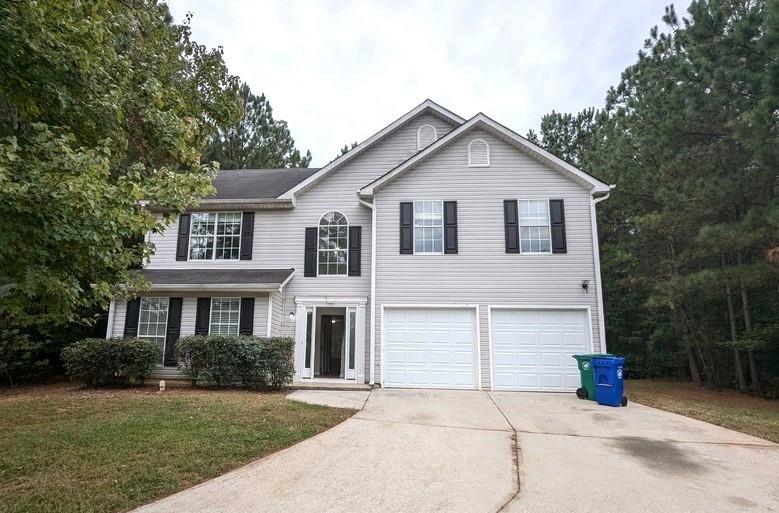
x=426, y=135
x=478, y=153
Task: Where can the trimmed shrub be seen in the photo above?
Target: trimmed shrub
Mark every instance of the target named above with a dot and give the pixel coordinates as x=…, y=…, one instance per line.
x=277, y=361
x=222, y=360
x=113, y=362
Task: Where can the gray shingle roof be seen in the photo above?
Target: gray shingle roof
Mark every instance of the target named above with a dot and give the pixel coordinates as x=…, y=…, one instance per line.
x=257, y=183
x=216, y=276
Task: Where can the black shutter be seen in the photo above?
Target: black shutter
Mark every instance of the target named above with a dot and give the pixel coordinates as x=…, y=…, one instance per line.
x=246, y=321
x=131, y=317
x=406, y=228
x=450, y=227
x=203, y=315
x=511, y=223
x=182, y=245
x=309, y=263
x=557, y=218
x=355, y=250
x=247, y=235
x=174, y=330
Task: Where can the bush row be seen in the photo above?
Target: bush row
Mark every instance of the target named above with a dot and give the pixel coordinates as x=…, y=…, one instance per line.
x=218, y=360
x=113, y=362
x=223, y=360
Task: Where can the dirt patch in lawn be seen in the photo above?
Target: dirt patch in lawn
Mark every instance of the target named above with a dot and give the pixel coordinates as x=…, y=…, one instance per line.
x=66, y=449
x=727, y=408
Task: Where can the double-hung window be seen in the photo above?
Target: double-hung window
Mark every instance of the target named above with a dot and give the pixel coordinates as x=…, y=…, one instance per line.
x=215, y=236
x=534, y=229
x=153, y=320
x=225, y=315
x=428, y=227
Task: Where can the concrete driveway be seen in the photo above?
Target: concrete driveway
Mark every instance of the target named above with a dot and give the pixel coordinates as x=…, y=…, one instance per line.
x=461, y=451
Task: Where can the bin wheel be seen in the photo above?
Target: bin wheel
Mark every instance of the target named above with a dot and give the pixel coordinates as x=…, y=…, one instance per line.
x=581, y=393
x=624, y=401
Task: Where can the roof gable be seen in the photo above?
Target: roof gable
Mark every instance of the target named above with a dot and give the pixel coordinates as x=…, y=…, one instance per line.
x=481, y=121
x=424, y=107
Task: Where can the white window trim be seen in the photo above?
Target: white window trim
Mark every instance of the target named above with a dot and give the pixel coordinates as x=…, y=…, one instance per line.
x=549, y=224
x=414, y=228
x=214, y=236
x=470, y=160
x=318, y=224
x=419, y=135
x=167, y=319
x=211, y=314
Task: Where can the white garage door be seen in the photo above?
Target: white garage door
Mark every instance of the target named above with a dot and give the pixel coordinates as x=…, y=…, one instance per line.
x=531, y=349
x=429, y=348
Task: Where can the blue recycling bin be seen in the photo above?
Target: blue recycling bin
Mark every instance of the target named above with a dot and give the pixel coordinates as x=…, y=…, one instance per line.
x=609, y=382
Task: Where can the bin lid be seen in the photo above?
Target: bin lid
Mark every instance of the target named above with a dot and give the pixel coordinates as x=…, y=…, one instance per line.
x=608, y=361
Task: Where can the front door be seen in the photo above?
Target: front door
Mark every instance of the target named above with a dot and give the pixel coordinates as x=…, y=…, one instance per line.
x=331, y=347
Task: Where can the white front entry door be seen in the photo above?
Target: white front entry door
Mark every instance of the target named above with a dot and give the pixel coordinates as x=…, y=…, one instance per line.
x=430, y=347
x=531, y=349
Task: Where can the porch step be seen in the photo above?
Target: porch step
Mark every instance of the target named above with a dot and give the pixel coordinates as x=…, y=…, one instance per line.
x=328, y=386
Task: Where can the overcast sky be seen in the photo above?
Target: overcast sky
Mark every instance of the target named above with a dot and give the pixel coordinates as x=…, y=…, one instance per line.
x=338, y=71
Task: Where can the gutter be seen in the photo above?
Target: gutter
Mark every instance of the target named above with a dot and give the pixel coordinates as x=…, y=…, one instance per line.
x=373, y=286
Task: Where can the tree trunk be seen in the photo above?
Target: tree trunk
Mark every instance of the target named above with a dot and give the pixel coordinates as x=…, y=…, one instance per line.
x=754, y=377
x=696, y=375
x=740, y=378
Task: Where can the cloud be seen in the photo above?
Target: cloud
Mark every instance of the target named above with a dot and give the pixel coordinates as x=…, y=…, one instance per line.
x=338, y=71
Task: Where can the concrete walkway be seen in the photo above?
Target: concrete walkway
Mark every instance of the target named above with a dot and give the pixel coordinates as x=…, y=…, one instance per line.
x=462, y=451
x=406, y=451
x=578, y=457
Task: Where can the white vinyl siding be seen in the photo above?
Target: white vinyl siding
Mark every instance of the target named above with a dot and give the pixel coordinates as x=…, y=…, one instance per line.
x=428, y=227
x=215, y=236
x=483, y=273
x=225, y=315
x=534, y=229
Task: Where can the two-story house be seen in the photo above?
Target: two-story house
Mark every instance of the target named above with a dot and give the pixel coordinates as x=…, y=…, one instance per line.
x=441, y=252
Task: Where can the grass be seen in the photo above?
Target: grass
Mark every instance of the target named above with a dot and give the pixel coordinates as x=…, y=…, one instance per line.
x=77, y=451
x=730, y=409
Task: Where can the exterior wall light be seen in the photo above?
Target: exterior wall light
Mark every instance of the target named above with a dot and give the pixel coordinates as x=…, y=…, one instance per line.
x=586, y=285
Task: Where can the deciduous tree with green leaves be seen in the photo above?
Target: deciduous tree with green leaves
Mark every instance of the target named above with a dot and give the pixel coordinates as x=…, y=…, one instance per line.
x=103, y=105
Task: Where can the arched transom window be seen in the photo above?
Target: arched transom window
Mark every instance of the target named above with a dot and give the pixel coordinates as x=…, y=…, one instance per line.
x=333, y=244
x=478, y=153
x=426, y=135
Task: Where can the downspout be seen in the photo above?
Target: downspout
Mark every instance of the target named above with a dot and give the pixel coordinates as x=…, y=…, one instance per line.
x=596, y=253
x=371, y=206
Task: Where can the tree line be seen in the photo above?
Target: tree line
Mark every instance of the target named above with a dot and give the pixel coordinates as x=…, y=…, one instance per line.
x=103, y=104
x=690, y=234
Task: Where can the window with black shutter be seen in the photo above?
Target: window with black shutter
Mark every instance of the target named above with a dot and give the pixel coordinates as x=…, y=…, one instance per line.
x=202, y=315
x=557, y=223
x=511, y=225
x=247, y=235
x=355, y=250
x=406, y=228
x=450, y=227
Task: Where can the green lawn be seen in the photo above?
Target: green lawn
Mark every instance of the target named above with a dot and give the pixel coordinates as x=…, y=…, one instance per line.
x=728, y=408
x=66, y=450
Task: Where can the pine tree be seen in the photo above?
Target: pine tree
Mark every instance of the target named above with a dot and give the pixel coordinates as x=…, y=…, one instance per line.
x=255, y=141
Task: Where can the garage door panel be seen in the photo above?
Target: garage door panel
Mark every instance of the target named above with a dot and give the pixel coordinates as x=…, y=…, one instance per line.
x=438, y=347
x=531, y=349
